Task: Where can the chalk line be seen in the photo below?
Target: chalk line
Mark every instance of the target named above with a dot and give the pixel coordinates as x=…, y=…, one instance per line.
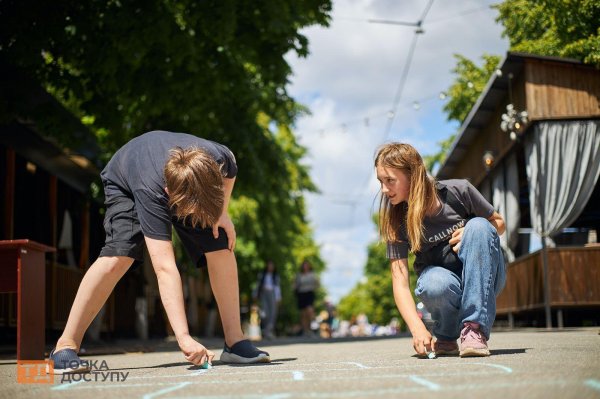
x=361, y=366
x=594, y=384
x=422, y=381
x=298, y=375
x=165, y=390
x=499, y=366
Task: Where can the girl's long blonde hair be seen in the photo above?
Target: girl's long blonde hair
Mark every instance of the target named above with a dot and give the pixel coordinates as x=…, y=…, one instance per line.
x=421, y=197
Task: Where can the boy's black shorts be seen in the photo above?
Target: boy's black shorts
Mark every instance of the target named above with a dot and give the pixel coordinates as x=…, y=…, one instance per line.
x=124, y=235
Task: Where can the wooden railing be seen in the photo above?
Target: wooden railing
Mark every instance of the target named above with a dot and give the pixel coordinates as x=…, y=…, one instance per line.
x=574, y=280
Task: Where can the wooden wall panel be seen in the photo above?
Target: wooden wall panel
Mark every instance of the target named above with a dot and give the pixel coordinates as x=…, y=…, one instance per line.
x=574, y=280
x=560, y=90
x=575, y=276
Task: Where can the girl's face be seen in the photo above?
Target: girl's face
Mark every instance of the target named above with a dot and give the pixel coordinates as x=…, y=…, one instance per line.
x=395, y=184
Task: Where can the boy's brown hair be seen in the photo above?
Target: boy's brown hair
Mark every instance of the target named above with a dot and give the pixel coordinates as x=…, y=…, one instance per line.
x=195, y=186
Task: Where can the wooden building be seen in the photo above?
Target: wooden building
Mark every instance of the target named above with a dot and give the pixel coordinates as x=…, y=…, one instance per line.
x=531, y=145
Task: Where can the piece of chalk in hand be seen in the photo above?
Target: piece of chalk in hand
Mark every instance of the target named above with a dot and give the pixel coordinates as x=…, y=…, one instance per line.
x=206, y=365
x=431, y=355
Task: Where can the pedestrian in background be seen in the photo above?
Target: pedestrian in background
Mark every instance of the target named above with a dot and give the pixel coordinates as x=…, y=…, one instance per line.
x=305, y=287
x=268, y=294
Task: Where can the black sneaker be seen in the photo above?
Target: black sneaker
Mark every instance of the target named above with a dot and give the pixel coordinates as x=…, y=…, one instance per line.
x=66, y=361
x=244, y=352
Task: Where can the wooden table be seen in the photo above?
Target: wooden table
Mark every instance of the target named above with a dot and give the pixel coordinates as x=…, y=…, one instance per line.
x=23, y=270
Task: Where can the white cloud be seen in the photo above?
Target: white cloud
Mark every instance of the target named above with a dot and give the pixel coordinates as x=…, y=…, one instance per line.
x=349, y=81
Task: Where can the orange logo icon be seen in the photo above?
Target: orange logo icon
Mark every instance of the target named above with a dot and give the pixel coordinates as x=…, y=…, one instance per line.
x=35, y=371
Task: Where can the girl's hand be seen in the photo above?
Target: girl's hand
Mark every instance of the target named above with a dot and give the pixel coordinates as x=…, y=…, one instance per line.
x=422, y=341
x=456, y=239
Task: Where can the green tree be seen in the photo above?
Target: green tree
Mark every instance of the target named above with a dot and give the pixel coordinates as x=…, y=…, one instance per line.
x=374, y=296
x=468, y=85
x=436, y=160
x=211, y=68
x=563, y=28
x=463, y=93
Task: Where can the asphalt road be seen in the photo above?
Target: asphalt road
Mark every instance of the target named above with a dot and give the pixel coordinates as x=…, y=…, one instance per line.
x=524, y=364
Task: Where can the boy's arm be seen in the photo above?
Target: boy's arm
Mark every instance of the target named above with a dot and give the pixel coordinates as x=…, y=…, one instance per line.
x=406, y=305
x=224, y=220
x=171, y=294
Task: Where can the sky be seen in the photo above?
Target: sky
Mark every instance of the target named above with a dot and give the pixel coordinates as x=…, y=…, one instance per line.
x=351, y=82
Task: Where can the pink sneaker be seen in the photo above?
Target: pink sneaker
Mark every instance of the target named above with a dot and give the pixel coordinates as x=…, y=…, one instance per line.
x=472, y=341
x=445, y=348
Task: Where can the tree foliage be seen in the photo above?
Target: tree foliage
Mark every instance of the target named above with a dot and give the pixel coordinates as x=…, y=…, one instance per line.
x=562, y=28
x=468, y=85
x=373, y=296
x=211, y=68
x=436, y=160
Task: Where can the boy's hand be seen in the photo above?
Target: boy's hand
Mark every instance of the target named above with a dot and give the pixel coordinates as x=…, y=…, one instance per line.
x=226, y=223
x=194, y=352
x=422, y=341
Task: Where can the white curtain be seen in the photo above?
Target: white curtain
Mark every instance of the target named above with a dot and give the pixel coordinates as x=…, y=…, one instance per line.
x=563, y=164
x=505, y=198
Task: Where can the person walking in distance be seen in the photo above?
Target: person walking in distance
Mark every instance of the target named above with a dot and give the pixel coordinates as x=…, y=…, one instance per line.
x=268, y=294
x=305, y=286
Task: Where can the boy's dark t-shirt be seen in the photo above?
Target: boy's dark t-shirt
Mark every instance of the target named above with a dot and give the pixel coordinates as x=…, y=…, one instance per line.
x=137, y=170
x=439, y=228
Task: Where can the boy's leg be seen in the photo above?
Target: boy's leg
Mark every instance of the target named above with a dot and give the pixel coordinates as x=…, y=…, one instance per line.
x=484, y=273
x=222, y=272
x=96, y=286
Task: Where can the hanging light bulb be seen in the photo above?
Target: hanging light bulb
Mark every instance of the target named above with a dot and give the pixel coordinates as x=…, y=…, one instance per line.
x=488, y=160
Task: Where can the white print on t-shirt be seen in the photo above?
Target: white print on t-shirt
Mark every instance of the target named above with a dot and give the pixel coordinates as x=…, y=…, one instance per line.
x=444, y=235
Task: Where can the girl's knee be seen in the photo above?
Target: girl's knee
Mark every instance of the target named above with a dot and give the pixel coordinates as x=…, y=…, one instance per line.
x=479, y=226
x=435, y=285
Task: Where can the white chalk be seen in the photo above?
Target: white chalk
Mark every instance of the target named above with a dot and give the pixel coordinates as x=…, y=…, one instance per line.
x=431, y=355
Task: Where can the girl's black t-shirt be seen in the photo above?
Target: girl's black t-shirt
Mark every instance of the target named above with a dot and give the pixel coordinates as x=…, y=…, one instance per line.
x=439, y=228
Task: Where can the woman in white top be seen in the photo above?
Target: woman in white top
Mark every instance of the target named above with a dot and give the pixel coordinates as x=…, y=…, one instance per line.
x=268, y=292
x=305, y=285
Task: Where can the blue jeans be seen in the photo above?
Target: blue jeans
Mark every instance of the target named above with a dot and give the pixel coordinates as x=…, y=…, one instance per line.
x=453, y=300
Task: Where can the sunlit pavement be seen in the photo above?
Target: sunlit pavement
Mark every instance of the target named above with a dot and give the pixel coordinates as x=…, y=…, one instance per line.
x=524, y=364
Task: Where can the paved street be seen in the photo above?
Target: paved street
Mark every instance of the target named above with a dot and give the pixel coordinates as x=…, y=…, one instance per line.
x=524, y=364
